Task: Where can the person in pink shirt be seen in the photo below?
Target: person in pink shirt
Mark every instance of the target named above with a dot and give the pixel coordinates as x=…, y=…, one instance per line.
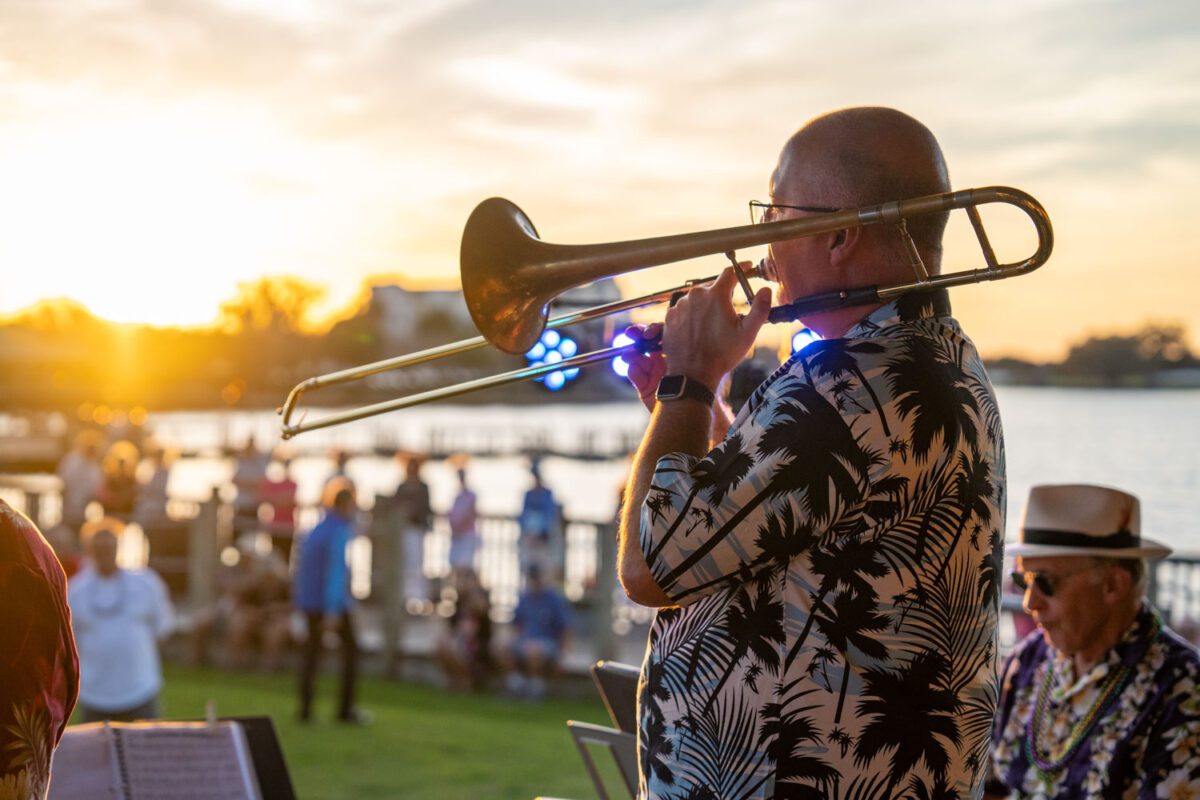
x=464, y=536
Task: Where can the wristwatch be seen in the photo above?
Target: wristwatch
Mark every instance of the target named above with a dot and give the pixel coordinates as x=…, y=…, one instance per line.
x=673, y=387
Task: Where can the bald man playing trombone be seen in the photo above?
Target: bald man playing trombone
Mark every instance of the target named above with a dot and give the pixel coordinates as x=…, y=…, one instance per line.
x=825, y=563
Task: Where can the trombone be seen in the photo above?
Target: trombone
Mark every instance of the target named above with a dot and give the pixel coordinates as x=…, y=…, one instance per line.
x=510, y=277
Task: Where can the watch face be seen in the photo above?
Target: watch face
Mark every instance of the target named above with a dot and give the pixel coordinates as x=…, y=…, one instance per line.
x=670, y=386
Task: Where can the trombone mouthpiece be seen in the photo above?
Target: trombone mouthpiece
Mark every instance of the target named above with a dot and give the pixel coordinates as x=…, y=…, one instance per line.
x=764, y=269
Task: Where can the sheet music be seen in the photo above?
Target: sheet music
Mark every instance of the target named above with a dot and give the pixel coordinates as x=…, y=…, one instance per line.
x=163, y=760
x=182, y=761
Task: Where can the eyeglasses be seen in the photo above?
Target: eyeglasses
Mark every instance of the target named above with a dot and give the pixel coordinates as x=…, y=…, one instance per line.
x=1047, y=585
x=761, y=213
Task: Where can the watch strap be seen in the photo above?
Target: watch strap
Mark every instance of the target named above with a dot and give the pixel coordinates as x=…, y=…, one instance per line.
x=675, y=387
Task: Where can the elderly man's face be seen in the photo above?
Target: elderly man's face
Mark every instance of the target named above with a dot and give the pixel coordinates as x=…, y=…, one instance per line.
x=1073, y=615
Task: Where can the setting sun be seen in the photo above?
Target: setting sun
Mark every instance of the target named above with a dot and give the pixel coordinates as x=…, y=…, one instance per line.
x=153, y=213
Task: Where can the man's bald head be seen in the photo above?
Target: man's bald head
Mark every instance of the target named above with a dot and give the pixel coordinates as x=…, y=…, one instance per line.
x=861, y=156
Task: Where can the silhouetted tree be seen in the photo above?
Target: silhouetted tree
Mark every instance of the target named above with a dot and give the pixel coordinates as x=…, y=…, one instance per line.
x=275, y=303
x=1116, y=359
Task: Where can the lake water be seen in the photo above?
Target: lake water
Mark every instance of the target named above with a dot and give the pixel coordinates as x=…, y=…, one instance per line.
x=1146, y=442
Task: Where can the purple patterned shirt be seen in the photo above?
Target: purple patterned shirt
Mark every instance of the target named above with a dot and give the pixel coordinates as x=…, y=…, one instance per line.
x=1145, y=743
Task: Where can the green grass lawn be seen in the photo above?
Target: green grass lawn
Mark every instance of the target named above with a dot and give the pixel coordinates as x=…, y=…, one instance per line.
x=424, y=743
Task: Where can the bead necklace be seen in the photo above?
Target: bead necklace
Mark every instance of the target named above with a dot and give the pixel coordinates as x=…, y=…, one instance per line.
x=1110, y=690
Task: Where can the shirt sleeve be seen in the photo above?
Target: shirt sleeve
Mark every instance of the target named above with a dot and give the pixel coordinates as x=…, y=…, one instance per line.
x=785, y=474
x=164, y=616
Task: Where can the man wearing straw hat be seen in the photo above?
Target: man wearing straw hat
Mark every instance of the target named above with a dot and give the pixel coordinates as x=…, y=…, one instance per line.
x=1101, y=701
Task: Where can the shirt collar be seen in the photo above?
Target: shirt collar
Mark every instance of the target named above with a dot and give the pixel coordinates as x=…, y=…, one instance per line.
x=911, y=307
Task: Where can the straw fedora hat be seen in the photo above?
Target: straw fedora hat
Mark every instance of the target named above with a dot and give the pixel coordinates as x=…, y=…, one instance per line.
x=1083, y=520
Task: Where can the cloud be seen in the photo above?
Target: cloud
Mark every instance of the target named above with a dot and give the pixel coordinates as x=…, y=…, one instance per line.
x=386, y=122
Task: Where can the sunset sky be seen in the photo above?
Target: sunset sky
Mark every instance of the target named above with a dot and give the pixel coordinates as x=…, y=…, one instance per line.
x=154, y=154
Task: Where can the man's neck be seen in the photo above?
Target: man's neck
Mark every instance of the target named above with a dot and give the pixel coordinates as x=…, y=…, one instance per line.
x=834, y=324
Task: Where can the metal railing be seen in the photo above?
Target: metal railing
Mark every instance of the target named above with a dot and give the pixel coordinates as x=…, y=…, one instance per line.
x=587, y=563
x=200, y=532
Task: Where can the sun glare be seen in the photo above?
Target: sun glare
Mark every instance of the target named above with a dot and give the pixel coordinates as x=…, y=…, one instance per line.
x=148, y=215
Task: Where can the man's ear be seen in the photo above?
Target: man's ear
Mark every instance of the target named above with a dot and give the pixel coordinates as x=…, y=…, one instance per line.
x=1118, y=582
x=844, y=243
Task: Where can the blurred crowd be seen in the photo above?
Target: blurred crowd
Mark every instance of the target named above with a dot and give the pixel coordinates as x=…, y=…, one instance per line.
x=284, y=591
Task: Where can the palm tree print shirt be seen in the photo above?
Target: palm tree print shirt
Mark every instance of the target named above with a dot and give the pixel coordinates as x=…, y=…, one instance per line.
x=835, y=563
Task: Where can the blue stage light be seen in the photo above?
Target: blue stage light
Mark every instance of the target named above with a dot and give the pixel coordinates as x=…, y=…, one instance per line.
x=553, y=348
x=802, y=338
x=620, y=365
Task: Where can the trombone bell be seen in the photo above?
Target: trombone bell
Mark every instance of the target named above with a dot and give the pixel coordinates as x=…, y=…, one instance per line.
x=503, y=285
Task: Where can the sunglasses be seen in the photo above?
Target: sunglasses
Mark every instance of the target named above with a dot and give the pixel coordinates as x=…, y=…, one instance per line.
x=1047, y=585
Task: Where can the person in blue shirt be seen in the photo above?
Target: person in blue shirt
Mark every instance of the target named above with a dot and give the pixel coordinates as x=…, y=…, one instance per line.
x=540, y=540
x=542, y=620
x=323, y=594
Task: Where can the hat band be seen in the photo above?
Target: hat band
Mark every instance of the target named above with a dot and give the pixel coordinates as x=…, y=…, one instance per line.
x=1048, y=536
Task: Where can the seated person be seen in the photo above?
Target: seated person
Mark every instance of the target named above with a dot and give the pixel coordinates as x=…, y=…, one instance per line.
x=541, y=622
x=39, y=665
x=262, y=610
x=1101, y=700
x=254, y=608
x=464, y=649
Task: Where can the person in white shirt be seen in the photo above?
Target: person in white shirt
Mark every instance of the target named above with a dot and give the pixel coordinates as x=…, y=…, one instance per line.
x=119, y=615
